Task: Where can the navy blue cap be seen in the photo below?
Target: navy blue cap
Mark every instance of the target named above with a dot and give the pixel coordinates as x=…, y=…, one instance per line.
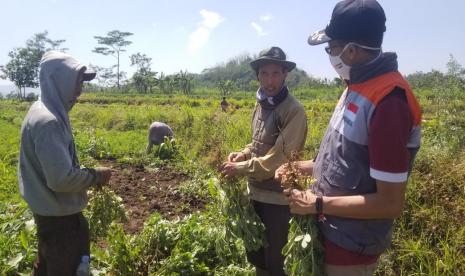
x=360, y=21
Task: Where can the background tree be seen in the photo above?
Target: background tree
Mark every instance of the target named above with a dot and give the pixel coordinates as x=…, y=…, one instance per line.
x=39, y=44
x=184, y=80
x=115, y=42
x=105, y=76
x=454, y=68
x=225, y=87
x=455, y=75
x=23, y=67
x=254, y=85
x=170, y=83
x=42, y=43
x=21, y=70
x=338, y=82
x=162, y=82
x=143, y=79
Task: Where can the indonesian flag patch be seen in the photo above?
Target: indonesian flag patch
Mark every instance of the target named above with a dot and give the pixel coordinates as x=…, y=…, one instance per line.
x=349, y=113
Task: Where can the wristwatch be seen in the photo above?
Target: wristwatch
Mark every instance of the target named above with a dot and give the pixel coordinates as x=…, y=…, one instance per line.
x=319, y=208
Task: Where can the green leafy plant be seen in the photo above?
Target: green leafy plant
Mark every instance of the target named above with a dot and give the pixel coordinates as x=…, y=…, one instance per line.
x=17, y=240
x=167, y=149
x=303, y=251
x=428, y=238
x=239, y=215
x=95, y=145
x=157, y=240
x=104, y=208
x=123, y=255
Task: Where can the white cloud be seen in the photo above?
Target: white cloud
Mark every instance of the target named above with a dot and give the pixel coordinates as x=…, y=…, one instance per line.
x=258, y=28
x=199, y=37
x=210, y=19
x=154, y=25
x=266, y=17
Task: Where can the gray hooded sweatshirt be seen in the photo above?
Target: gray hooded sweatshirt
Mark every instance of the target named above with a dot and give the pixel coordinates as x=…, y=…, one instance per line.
x=50, y=178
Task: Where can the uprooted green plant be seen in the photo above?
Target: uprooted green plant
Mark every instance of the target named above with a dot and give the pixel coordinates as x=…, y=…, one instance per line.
x=303, y=251
x=202, y=247
x=104, y=208
x=123, y=255
x=157, y=240
x=240, y=217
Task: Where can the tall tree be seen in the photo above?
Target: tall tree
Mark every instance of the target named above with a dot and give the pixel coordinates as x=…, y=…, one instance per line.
x=55, y=45
x=115, y=42
x=454, y=68
x=42, y=42
x=105, y=76
x=141, y=61
x=23, y=68
x=143, y=78
x=225, y=87
x=184, y=79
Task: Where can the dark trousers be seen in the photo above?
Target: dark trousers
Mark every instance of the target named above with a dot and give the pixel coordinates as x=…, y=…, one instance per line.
x=62, y=242
x=276, y=219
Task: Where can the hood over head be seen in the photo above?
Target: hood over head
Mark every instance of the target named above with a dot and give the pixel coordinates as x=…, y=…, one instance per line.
x=58, y=75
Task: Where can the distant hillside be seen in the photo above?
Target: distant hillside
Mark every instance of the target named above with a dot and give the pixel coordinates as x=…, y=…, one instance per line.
x=238, y=70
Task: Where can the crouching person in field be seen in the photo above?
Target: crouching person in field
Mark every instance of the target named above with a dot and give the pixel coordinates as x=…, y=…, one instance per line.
x=279, y=127
x=157, y=133
x=51, y=180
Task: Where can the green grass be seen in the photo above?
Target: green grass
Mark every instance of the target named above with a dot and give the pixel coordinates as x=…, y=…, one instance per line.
x=429, y=237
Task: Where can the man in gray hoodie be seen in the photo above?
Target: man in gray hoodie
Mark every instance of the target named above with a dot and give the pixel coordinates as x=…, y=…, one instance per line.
x=51, y=180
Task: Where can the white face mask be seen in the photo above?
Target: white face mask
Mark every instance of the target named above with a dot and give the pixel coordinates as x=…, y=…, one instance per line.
x=341, y=68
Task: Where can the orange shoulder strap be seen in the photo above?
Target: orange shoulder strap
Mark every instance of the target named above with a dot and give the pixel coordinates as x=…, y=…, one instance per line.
x=377, y=88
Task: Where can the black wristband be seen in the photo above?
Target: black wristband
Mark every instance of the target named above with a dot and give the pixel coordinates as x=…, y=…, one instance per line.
x=319, y=205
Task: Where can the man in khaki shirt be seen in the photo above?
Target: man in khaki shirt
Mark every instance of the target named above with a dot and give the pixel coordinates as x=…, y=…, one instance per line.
x=279, y=127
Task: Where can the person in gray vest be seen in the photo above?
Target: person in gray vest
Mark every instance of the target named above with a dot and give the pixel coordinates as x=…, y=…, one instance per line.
x=368, y=149
x=51, y=179
x=279, y=127
x=157, y=133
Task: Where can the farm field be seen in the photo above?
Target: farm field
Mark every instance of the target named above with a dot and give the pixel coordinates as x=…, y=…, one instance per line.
x=160, y=214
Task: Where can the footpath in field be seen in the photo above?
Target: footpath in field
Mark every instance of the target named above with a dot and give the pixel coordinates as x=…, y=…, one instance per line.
x=146, y=190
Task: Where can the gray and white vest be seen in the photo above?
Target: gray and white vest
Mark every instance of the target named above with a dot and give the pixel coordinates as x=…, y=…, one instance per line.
x=342, y=166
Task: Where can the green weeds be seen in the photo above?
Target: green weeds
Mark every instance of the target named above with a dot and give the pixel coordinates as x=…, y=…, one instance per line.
x=429, y=237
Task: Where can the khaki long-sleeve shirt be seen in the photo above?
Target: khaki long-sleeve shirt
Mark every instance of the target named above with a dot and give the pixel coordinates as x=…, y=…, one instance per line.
x=291, y=137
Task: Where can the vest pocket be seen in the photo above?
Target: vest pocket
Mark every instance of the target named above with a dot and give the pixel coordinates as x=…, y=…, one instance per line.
x=260, y=149
x=343, y=179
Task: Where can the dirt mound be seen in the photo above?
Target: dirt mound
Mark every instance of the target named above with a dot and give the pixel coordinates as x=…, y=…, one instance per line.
x=146, y=190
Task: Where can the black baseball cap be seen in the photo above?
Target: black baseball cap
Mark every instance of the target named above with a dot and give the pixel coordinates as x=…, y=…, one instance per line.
x=360, y=21
x=89, y=74
x=272, y=55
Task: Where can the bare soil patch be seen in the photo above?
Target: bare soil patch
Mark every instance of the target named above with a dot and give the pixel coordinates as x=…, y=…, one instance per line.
x=146, y=190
